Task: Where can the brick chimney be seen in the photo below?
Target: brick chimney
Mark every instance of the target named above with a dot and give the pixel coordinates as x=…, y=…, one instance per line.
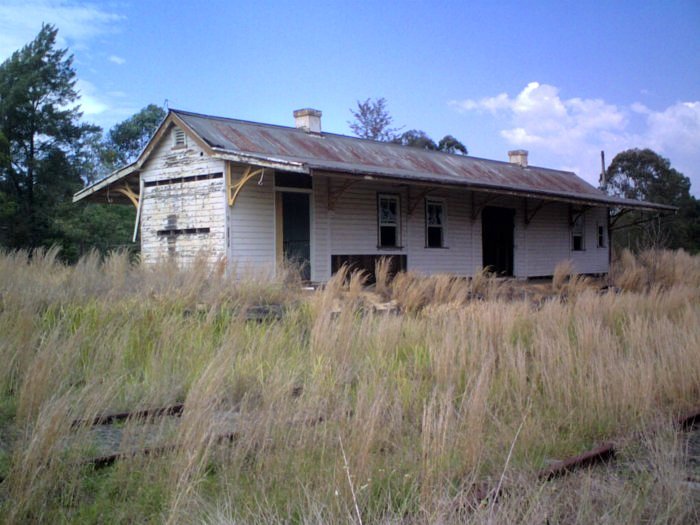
x=518, y=156
x=308, y=119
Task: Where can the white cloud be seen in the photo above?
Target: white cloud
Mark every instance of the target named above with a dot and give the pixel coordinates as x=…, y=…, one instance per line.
x=91, y=102
x=675, y=128
x=77, y=22
x=571, y=132
x=102, y=108
x=117, y=60
x=638, y=107
x=539, y=116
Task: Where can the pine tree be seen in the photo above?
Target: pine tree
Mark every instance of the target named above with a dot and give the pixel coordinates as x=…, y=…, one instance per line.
x=39, y=120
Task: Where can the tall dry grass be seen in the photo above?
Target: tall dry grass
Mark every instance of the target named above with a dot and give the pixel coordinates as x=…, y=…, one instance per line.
x=425, y=403
x=660, y=268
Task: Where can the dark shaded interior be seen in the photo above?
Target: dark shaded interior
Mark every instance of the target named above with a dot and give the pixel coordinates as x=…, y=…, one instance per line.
x=497, y=226
x=296, y=231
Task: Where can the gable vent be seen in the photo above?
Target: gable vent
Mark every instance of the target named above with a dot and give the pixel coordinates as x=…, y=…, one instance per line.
x=178, y=138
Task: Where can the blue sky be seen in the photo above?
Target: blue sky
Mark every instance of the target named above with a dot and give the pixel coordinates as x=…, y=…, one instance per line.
x=560, y=79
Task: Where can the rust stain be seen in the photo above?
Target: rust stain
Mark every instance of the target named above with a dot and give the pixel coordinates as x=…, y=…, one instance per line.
x=274, y=141
x=238, y=139
x=352, y=155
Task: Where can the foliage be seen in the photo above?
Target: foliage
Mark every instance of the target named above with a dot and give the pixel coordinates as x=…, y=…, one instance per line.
x=41, y=135
x=373, y=121
x=47, y=154
x=416, y=138
x=90, y=226
x=449, y=144
x=645, y=175
x=128, y=138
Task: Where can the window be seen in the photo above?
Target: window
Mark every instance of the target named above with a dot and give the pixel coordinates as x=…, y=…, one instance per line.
x=601, y=236
x=388, y=210
x=178, y=138
x=577, y=233
x=434, y=224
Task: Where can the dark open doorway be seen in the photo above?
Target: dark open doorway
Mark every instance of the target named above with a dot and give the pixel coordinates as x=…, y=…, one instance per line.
x=296, y=231
x=497, y=225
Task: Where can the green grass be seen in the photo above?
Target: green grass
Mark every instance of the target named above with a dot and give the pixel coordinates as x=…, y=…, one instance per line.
x=426, y=403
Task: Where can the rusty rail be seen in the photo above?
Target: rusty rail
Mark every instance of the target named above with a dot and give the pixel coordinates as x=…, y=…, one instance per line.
x=110, y=419
x=600, y=454
x=604, y=453
x=101, y=462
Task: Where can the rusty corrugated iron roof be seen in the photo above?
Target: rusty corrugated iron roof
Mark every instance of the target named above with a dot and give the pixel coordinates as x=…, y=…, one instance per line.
x=352, y=155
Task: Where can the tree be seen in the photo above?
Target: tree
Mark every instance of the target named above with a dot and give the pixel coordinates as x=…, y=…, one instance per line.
x=416, y=138
x=645, y=175
x=47, y=154
x=449, y=144
x=128, y=138
x=372, y=121
x=39, y=120
x=103, y=226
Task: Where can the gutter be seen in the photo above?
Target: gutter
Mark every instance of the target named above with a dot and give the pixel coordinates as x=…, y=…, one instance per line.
x=262, y=161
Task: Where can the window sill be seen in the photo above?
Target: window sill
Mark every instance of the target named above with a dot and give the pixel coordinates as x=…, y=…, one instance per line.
x=389, y=247
x=437, y=247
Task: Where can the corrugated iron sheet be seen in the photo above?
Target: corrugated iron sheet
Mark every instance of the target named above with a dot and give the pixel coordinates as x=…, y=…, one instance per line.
x=339, y=153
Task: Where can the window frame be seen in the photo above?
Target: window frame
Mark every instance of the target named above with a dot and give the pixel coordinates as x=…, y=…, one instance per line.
x=443, y=227
x=600, y=234
x=397, y=242
x=578, y=223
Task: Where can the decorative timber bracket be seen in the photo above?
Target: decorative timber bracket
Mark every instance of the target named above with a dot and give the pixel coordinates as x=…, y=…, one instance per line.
x=477, y=207
x=135, y=199
x=126, y=190
x=576, y=213
x=531, y=212
x=614, y=217
x=414, y=201
x=334, y=194
x=233, y=189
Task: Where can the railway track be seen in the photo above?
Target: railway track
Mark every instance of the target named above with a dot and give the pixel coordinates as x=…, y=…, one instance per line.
x=604, y=453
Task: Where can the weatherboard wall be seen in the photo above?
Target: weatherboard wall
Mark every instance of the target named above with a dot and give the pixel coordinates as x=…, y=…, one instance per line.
x=350, y=228
x=546, y=241
x=251, y=226
x=245, y=233
x=320, y=231
x=182, y=220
